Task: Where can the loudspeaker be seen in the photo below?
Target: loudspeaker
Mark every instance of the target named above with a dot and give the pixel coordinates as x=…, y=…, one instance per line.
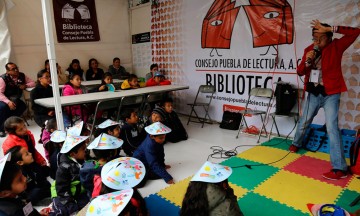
x=285, y=98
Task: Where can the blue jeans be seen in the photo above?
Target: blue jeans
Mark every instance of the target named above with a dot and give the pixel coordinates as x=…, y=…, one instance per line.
x=330, y=103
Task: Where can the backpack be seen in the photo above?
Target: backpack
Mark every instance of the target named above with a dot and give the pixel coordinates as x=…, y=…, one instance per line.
x=230, y=120
x=355, y=156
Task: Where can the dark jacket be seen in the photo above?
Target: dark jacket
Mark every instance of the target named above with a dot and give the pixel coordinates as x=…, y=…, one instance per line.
x=178, y=132
x=54, y=158
x=222, y=202
x=87, y=172
x=14, y=207
x=153, y=157
x=98, y=76
x=12, y=90
x=118, y=73
x=132, y=136
x=40, y=112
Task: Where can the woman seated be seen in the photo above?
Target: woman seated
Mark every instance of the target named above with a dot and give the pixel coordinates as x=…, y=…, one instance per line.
x=94, y=72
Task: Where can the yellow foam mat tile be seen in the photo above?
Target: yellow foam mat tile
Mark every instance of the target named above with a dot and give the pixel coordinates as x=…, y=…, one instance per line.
x=176, y=192
x=238, y=191
x=264, y=154
x=322, y=156
x=296, y=191
x=354, y=184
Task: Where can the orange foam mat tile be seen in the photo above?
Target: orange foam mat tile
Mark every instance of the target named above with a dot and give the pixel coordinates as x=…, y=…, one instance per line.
x=296, y=191
x=264, y=154
x=176, y=192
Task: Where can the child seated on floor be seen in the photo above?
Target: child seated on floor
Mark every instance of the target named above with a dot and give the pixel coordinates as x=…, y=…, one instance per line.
x=50, y=127
x=12, y=186
x=178, y=132
x=130, y=83
x=209, y=193
x=130, y=132
x=106, y=84
x=67, y=191
x=55, y=144
x=74, y=87
x=157, y=115
x=19, y=135
x=151, y=153
x=38, y=187
x=133, y=172
x=109, y=127
x=158, y=79
x=105, y=148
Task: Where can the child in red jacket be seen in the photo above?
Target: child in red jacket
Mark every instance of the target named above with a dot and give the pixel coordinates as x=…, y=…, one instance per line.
x=158, y=79
x=21, y=136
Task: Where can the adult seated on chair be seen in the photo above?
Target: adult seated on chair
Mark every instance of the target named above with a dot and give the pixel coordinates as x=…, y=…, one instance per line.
x=12, y=84
x=94, y=72
x=117, y=70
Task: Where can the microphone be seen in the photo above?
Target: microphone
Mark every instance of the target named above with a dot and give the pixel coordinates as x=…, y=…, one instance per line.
x=316, y=49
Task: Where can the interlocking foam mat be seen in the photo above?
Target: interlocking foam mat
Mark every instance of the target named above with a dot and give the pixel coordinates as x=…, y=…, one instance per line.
x=281, y=188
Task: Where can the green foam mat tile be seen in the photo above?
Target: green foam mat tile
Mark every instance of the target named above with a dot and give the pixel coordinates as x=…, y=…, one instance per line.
x=245, y=177
x=253, y=204
x=346, y=198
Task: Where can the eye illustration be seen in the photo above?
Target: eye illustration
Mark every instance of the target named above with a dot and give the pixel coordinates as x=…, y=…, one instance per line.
x=271, y=15
x=216, y=22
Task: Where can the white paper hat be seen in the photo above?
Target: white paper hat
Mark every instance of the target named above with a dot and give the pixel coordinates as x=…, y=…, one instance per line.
x=58, y=136
x=108, y=123
x=76, y=129
x=110, y=204
x=157, y=128
x=3, y=161
x=328, y=208
x=71, y=142
x=123, y=173
x=105, y=141
x=212, y=173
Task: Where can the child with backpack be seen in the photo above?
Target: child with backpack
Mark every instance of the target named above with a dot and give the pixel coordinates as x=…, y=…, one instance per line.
x=38, y=187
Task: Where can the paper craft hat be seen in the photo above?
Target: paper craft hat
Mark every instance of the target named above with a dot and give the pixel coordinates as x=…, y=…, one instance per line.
x=123, y=173
x=71, y=142
x=76, y=129
x=3, y=161
x=212, y=173
x=327, y=210
x=157, y=128
x=110, y=204
x=108, y=123
x=218, y=24
x=105, y=141
x=58, y=136
x=271, y=22
x=158, y=73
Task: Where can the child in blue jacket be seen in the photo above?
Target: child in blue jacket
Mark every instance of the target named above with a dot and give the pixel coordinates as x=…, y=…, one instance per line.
x=151, y=153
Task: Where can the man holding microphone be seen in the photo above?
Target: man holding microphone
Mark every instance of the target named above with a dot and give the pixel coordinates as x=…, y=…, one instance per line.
x=324, y=82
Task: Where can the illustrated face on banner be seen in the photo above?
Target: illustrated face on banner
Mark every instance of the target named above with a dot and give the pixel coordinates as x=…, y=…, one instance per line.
x=218, y=25
x=271, y=22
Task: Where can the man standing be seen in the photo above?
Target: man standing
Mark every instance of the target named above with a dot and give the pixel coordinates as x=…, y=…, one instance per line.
x=324, y=82
x=117, y=70
x=12, y=84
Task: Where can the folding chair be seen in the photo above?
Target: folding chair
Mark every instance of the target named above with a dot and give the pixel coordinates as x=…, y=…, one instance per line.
x=104, y=105
x=209, y=91
x=130, y=100
x=264, y=93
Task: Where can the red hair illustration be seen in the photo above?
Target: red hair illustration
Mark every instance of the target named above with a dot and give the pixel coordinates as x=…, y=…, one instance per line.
x=271, y=22
x=218, y=25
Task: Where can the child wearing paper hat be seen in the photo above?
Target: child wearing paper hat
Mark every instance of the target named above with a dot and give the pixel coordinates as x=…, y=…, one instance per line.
x=210, y=194
x=327, y=210
x=151, y=153
x=57, y=138
x=12, y=184
x=116, y=203
x=109, y=127
x=125, y=173
x=105, y=148
x=69, y=195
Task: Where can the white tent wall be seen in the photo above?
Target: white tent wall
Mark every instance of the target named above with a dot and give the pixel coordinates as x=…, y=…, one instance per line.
x=28, y=39
x=5, y=39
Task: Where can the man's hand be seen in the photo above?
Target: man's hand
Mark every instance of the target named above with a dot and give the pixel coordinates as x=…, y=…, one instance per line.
x=51, y=113
x=12, y=105
x=320, y=28
x=311, y=55
x=102, y=88
x=167, y=166
x=22, y=87
x=170, y=181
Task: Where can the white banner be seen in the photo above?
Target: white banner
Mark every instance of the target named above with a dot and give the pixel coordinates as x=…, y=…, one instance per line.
x=238, y=45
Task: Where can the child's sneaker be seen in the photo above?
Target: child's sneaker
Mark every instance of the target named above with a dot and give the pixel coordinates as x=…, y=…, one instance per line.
x=293, y=148
x=335, y=174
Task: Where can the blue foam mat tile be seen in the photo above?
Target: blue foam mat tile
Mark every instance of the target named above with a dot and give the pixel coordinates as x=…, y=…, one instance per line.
x=158, y=206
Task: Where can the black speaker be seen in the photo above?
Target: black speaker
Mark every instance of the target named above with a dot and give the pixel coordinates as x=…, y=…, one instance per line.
x=285, y=98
